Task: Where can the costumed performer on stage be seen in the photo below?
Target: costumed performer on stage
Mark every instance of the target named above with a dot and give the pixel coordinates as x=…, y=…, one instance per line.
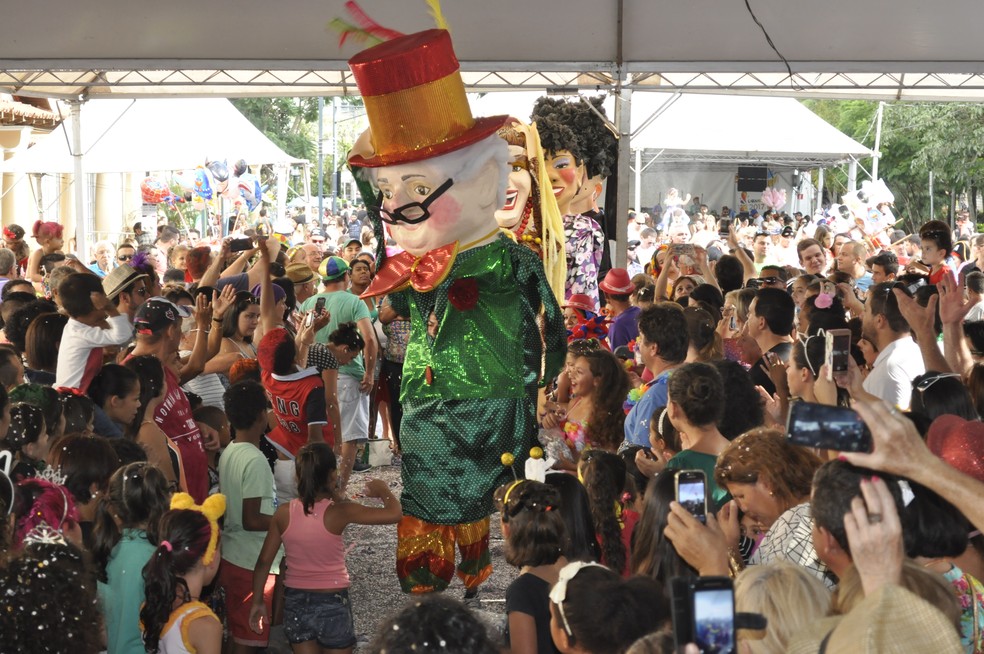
x=469, y=386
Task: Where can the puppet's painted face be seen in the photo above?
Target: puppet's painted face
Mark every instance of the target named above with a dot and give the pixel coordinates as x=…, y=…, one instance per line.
x=566, y=177
x=518, y=189
x=463, y=213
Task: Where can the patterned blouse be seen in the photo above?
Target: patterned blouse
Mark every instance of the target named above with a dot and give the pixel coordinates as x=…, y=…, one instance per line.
x=584, y=245
x=791, y=539
x=970, y=593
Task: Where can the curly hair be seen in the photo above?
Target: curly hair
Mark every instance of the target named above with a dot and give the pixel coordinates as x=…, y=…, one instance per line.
x=604, y=479
x=50, y=602
x=433, y=624
x=575, y=127
x=185, y=535
x=611, y=385
x=765, y=455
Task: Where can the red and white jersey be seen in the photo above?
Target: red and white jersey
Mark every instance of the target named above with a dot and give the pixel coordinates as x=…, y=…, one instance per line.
x=298, y=401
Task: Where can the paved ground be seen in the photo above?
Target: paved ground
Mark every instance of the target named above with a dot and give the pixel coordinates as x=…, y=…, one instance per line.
x=375, y=591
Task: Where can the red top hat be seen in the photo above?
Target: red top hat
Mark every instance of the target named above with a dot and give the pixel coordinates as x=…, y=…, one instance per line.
x=617, y=282
x=582, y=302
x=959, y=442
x=415, y=100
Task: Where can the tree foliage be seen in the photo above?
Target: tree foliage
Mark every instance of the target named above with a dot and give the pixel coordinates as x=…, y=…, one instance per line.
x=946, y=138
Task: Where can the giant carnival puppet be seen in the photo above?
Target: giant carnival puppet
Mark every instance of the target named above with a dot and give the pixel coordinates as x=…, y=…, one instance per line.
x=529, y=215
x=578, y=148
x=437, y=177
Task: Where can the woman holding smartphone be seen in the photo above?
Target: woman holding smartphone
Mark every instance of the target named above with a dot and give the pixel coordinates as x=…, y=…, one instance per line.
x=770, y=480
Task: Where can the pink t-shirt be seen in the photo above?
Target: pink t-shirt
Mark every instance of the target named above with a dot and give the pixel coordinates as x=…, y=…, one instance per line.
x=174, y=418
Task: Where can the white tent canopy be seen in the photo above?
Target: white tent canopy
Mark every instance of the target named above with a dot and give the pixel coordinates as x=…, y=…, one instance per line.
x=728, y=128
x=151, y=135
x=713, y=128
x=906, y=48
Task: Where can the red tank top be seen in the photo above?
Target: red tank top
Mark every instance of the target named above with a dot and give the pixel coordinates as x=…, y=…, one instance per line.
x=298, y=401
x=174, y=418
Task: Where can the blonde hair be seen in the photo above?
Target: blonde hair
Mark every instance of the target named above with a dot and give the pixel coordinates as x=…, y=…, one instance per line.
x=928, y=585
x=787, y=595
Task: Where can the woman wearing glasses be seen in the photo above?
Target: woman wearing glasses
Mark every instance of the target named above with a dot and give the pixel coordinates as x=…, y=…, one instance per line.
x=238, y=327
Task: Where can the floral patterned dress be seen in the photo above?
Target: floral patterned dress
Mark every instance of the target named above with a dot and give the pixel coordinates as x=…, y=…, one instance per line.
x=970, y=594
x=584, y=245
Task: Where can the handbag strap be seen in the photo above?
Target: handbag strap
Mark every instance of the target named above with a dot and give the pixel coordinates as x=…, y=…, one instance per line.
x=823, y=643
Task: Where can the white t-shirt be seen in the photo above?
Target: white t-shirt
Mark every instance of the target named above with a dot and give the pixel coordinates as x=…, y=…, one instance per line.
x=895, y=368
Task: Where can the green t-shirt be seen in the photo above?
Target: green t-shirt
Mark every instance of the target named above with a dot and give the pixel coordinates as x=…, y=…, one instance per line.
x=343, y=307
x=690, y=460
x=123, y=595
x=244, y=474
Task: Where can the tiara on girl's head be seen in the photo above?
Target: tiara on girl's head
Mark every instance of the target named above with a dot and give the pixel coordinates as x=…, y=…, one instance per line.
x=53, y=475
x=43, y=533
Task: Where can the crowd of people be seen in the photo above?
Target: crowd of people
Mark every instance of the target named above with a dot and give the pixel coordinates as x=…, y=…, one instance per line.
x=181, y=420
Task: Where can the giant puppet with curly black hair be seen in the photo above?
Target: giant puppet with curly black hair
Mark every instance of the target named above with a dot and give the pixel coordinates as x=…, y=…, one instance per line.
x=435, y=176
x=578, y=148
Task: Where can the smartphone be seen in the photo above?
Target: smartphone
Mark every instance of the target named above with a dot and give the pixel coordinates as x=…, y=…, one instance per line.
x=319, y=306
x=713, y=611
x=733, y=323
x=838, y=352
x=703, y=611
x=724, y=228
x=827, y=428
x=683, y=250
x=240, y=244
x=691, y=492
x=309, y=319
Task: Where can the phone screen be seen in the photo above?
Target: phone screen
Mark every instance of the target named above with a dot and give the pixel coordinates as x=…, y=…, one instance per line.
x=714, y=620
x=827, y=427
x=723, y=228
x=319, y=306
x=692, y=493
x=838, y=350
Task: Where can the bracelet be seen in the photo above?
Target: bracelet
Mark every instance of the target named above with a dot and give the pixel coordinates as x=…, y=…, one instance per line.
x=216, y=319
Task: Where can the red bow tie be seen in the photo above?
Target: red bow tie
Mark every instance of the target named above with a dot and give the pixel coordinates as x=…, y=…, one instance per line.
x=424, y=273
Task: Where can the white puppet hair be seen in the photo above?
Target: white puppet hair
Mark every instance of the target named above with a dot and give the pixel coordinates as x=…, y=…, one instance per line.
x=464, y=164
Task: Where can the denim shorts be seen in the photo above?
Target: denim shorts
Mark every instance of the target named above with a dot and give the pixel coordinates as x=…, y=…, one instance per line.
x=324, y=617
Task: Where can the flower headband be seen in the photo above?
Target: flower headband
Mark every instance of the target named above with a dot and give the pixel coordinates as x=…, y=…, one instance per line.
x=212, y=508
x=558, y=594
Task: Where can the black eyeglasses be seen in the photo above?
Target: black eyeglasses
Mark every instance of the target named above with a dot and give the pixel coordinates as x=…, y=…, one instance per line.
x=412, y=212
x=124, y=257
x=770, y=280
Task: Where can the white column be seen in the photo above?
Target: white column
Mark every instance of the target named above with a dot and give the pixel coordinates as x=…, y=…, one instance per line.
x=638, y=179
x=622, y=115
x=852, y=175
x=78, y=183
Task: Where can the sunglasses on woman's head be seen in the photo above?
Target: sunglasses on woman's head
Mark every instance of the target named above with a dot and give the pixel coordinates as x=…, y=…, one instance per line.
x=924, y=385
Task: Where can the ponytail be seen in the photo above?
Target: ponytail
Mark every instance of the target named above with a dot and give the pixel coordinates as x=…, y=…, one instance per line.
x=314, y=464
x=185, y=535
x=604, y=479
x=137, y=496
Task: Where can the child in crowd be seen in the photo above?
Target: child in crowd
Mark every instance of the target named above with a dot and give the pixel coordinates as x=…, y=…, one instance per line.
x=93, y=324
x=173, y=617
x=13, y=240
x=603, y=476
x=27, y=439
x=534, y=531
x=48, y=400
x=593, y=610
x=215, y=418
x=116, y=390
x=48, y=234
x=79, y=413
x=124, y=539
x=247, y=482
x=580, y=541
x=435, y=624
x=316, y=603
x=161, y=452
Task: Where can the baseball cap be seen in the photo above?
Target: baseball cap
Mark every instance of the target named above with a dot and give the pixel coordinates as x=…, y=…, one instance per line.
x=333, y=268
x=299, y=272
x=156, y=314
x=351, y=241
